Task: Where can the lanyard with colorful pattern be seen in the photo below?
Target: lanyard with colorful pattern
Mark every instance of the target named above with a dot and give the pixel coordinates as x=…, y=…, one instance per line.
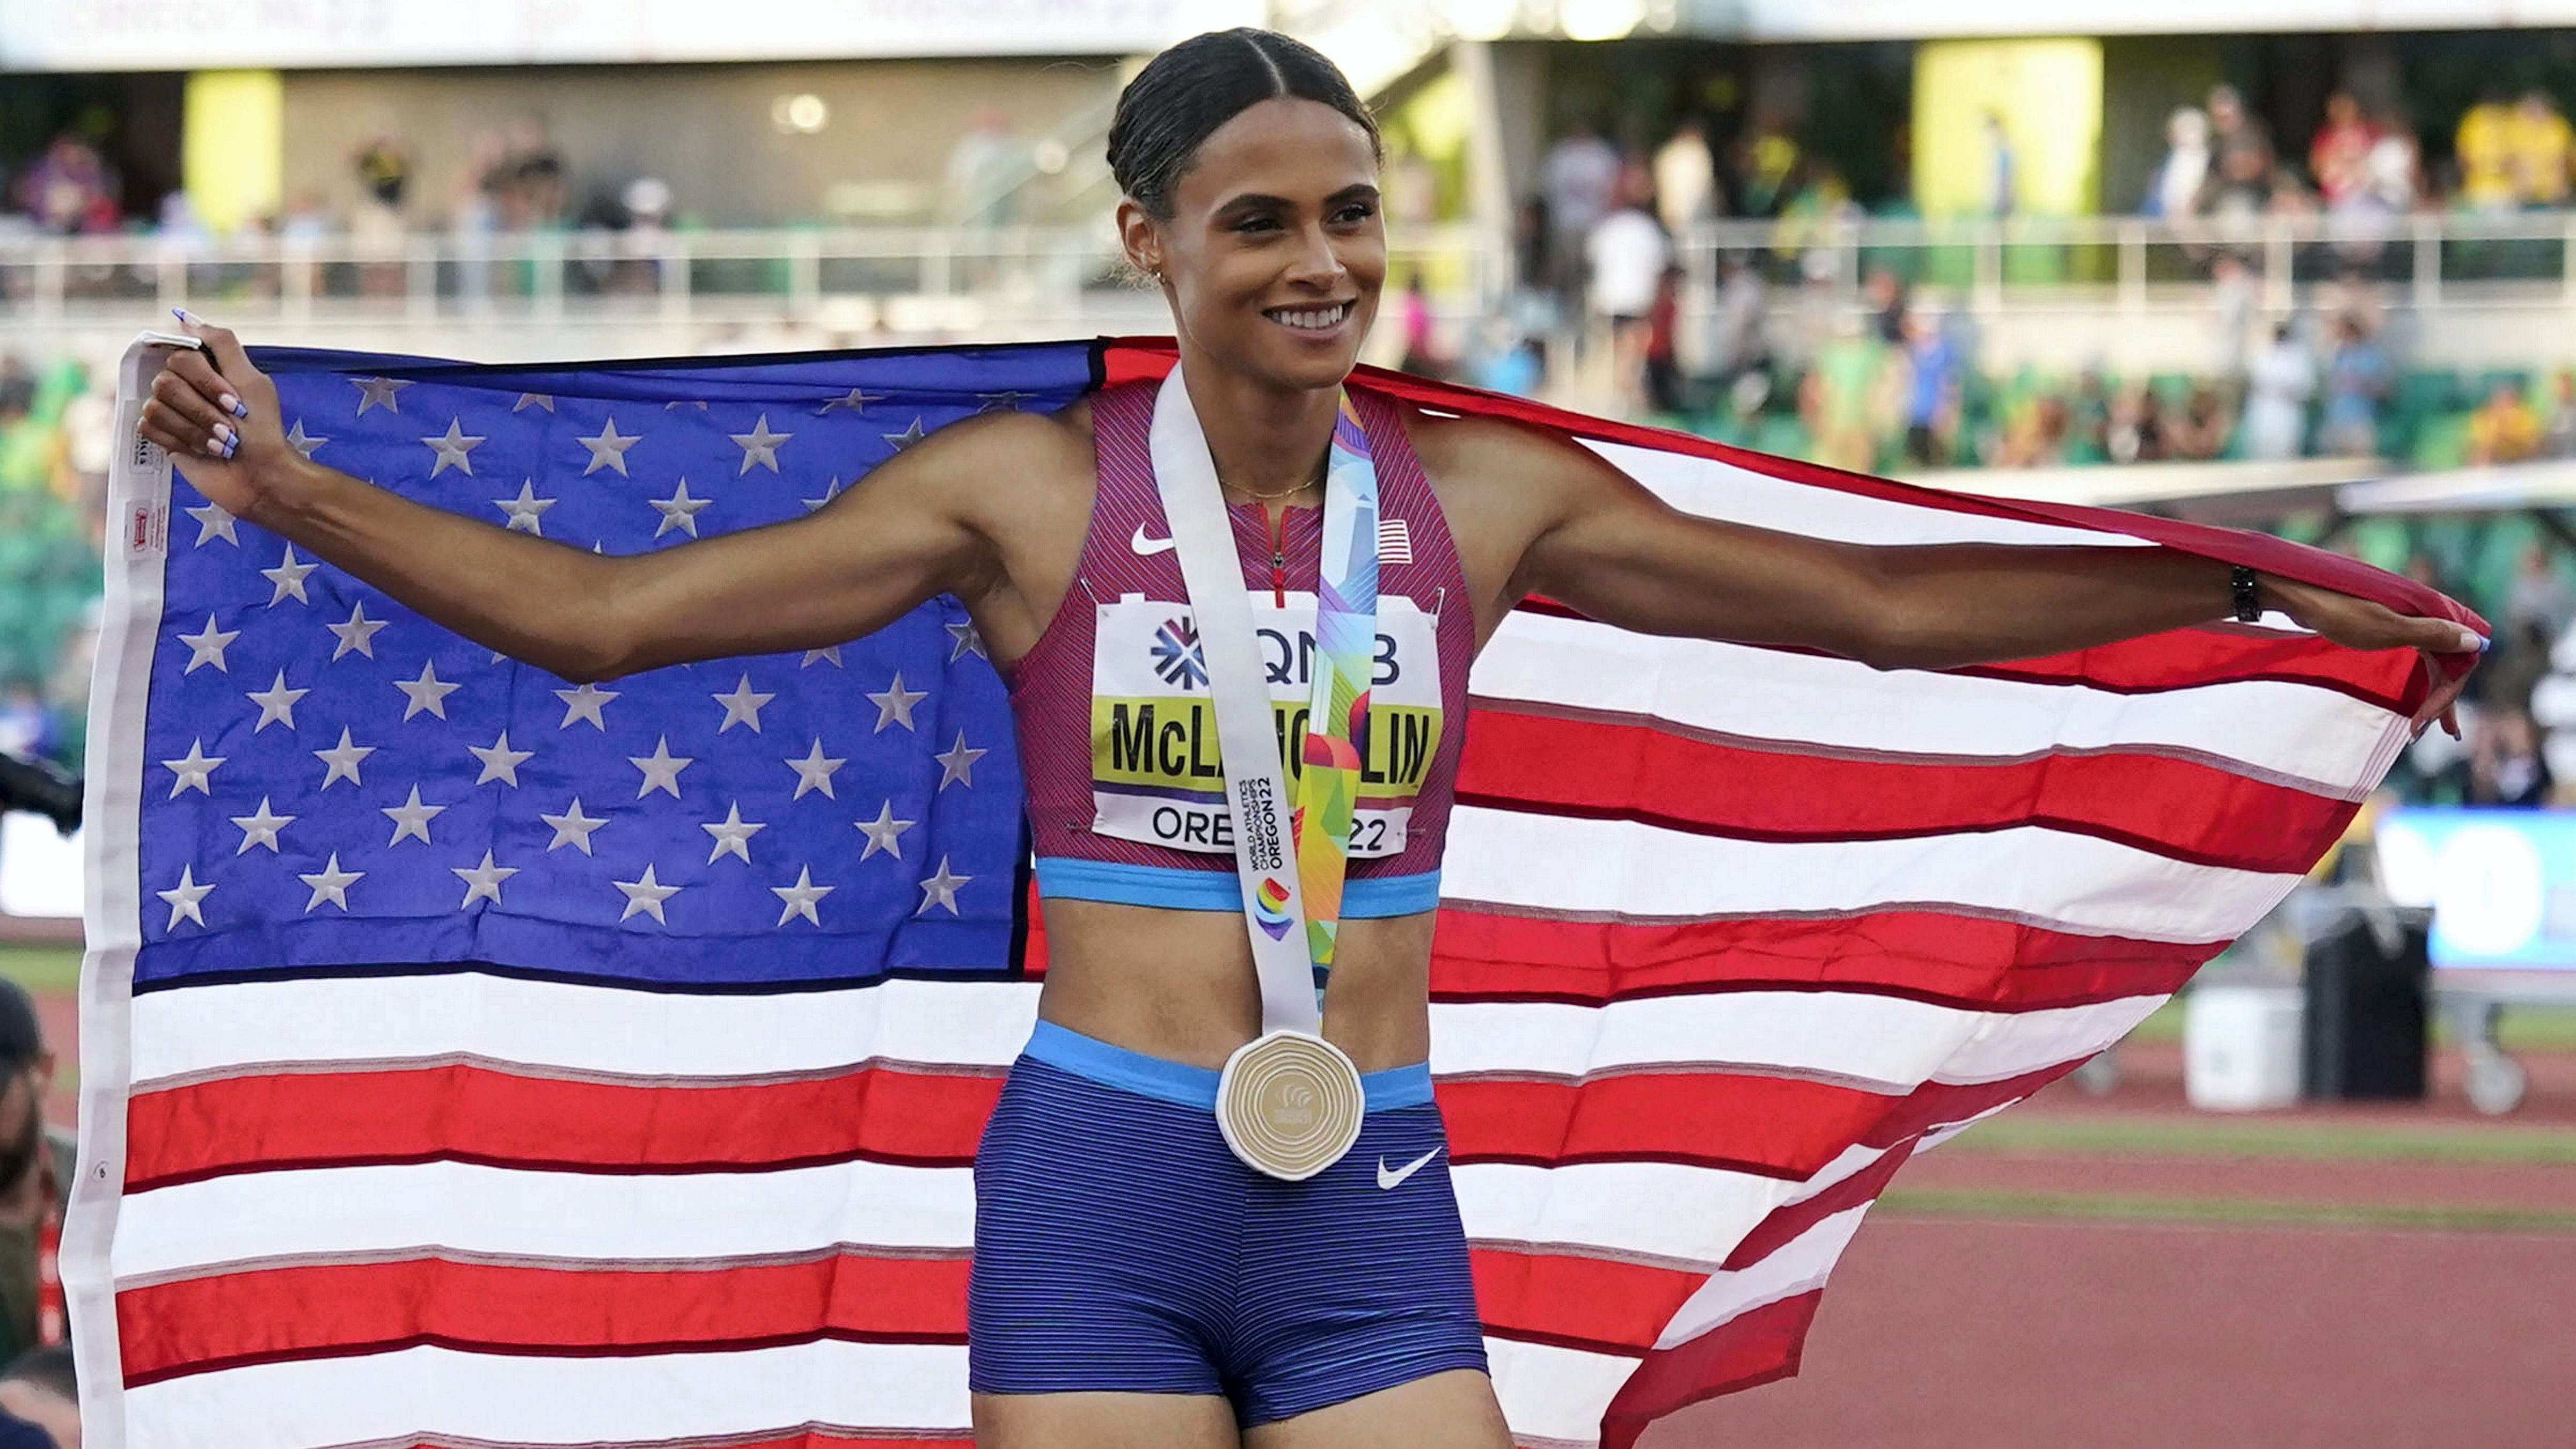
x=1345, y=660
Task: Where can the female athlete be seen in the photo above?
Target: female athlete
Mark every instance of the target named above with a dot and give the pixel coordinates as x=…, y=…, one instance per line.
x=1134, y=1284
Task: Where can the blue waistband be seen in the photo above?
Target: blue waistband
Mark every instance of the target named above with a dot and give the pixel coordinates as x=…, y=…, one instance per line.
x=1189, y=1086
x=1063, y=877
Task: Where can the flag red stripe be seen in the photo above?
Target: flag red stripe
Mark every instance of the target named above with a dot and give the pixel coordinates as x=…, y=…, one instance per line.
x=1754, y=1347
x=1572, y=1300
x=1976, y=963
x=2182, y=809
x=270, y=1315
x=477, y=1113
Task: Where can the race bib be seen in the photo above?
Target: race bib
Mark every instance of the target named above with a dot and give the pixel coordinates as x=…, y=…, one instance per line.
x=1156, y=772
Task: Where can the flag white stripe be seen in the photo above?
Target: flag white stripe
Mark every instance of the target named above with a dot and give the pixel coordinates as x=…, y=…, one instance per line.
x=1796, y=1266
x=1551, y=1395
x=240, y=1028
x=1885, y=1043
x=515, y=1212
x=310, y=1403
x=2268, y=728
x=319, y=1020
x=2054, y=878
x=1713, y=489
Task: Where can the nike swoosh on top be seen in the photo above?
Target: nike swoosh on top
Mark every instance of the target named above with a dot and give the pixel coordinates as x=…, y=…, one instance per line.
x=1386, y=1179
x=1144, y=545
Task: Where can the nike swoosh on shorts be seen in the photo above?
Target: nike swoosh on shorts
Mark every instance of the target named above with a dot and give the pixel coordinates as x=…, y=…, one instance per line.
x=1144, y=545
x=1386, y=1179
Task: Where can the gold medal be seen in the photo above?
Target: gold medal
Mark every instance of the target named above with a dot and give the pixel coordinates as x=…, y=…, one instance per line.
x=1289, y=1104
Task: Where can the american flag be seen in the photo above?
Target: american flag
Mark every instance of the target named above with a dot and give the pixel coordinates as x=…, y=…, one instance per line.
x=473, y=1058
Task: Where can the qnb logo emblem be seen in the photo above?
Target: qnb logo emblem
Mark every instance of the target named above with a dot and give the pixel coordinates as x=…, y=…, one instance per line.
x=1176, y=654
x=1270, y=908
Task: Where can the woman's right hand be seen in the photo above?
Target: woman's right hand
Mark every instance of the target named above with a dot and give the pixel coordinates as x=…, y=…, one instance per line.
x=218, y=418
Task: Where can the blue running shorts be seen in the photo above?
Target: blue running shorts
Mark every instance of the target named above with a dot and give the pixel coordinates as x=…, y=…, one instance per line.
x=1120, y=1246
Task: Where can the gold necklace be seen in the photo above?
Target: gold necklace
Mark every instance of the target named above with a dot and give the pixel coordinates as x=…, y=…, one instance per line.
x=1288, y=492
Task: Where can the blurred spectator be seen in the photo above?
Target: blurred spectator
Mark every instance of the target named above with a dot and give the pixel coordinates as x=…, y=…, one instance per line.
x=1665, y=392
x=983, y=168
x=2201, y=433
x=2542, y=149
x=2176, y=190
x=1582, y=184
x=2138, y=431
x=1883, y=292
x=36, y=1168
x=528, y=181
x=1685, y=179
x=2558, y=434
x=2339, y=155
x=26, y=726
x=2504, y=429
x=1740, y=333
x=1932, y=391
x=2538, y=601
x=1999, y=166
x=377, y=224
x=2276, y=405
x=2483, y=147
x=2358, y=377
x=1849, y=399
x=40, y=1388
x=1627, y=252
x=69, y=189
x=1504, y=360
x=1422, y=355
x=2088, y=419
x=1812, y=215
x=2505, y=763
x=2235, y=297
x=1765, y=163
x=2036, y=436
x=2237, y=135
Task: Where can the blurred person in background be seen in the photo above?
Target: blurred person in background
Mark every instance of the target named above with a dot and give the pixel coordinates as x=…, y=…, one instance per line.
x=1423, y=356
x=2277, y=392
x=70, y=189
x=1740, y=337
x=2541, y=149
x=1685, y=179
x=2139, y=431
x=40, y=1388
x=2239, y=138
x=2001, y=185
x=2358, y=377
x=2558, y=434
x=2504, y=429
x=1667, y=390
x=1932, y=391
x=1627, y=252
x=1850, y=395
x=37, y=1163
x=529, y=185
x=1765, y=163
x=2483, y=149
x=2235, y=301
x=2175, y=191
x=2339, y=154
x=2036, y=436
x=2201, y=433
x=1581, y=178
x=2537, y=601
x=378, y=224
x=1883, y=292
x=26, y=725
x=2506, y=767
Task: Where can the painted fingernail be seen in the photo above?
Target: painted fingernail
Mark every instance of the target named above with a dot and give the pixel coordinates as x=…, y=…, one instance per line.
x=233, y=405
x=214, y=447
x=231, y=446
x=2470, y=642
x=223, y=432
x=184, y=315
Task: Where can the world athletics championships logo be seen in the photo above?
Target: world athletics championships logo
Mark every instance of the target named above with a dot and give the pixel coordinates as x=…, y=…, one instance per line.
x=1176, y=654
x=1269, y=908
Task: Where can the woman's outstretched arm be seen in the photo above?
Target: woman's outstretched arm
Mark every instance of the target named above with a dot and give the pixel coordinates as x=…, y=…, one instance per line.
x=862, y=561
x=1602, y=543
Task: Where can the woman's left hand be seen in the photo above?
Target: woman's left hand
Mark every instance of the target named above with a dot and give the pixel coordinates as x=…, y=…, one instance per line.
x=2358, y=623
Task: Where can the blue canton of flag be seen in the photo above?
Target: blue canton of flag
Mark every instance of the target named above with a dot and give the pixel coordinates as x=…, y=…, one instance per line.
x=331, y=779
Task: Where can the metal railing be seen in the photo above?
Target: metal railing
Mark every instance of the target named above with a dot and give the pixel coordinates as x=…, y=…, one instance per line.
x=964, y=279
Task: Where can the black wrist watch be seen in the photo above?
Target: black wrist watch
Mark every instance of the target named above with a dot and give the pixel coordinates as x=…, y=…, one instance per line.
x=2241, y=587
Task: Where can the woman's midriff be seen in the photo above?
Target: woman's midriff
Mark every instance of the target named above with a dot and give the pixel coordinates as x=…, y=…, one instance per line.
x=1179, y=984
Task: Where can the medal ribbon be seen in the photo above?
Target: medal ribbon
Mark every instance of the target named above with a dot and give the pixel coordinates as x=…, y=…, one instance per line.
x=1345, y=661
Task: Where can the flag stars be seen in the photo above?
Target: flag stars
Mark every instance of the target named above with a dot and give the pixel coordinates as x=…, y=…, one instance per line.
x=856, y=400
x=502, y=763
x=379, y=392
x=585, y=703
x=661, y=769
x=957, y=764
x=195, y=770
x=941, y=889
x=276, y=703
x=482, y=882
x=894, y=707
x=760, y=446
x=343, y=758
x=742, y=707
x=885, y=833
x=527, y=511
x=331, y=883
x=534, y=400
x=830, y=653
x=288, y=579
x=831, y=490
x=965, y=641
x=679, y=511
x=906, y=438
x=358, y=634
x=411, y=818
x=814, y=772
x=187, y=897
x=261, y=828
x=732, y=835
x=302, y=441
x=608, y=450
x=428, y=692
x=207, y=647
x=645, y=896
x=799, y=899
x=572, y=828
x=452, y=447
x=213, y=522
